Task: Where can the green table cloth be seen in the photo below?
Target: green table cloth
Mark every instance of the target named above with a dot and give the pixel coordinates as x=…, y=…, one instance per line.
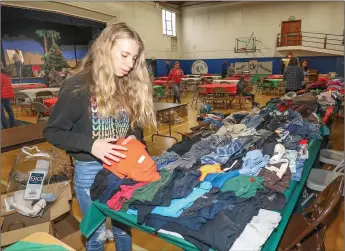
x=98, y=212
x=159, y=90
x=33, y=246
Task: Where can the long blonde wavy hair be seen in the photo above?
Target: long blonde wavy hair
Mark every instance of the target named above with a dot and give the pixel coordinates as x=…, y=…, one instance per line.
x=131, y=93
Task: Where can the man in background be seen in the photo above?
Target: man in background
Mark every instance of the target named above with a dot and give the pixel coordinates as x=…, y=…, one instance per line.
x=18, y=62
x=231, y=70
x=167, y=62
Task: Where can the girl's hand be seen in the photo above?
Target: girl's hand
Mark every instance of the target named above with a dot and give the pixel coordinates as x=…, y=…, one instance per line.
x=128, y=139
x=104, y=150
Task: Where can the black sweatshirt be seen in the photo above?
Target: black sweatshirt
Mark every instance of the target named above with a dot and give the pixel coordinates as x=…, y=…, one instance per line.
x=73, y=125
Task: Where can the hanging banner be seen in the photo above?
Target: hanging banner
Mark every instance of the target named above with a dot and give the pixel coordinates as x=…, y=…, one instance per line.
x=240, y=67
x=199, y=67
x=265, y=67
x=253, y=66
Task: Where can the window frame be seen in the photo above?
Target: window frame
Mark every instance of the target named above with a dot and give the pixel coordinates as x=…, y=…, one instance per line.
x=171, y=23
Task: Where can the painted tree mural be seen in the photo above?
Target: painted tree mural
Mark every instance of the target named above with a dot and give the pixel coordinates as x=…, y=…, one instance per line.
x=48, y=34
x=54, y=35
x=54, y=59
x=43, y=34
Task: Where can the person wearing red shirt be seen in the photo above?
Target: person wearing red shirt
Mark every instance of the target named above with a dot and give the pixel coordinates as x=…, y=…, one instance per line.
x=175, y=75
x=6, y=95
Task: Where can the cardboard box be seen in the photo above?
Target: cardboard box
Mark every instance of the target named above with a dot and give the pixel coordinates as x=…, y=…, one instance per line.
x=16, y=227
x=48, y=239
x=182, y=111
x=54, y=188
x=66, y=229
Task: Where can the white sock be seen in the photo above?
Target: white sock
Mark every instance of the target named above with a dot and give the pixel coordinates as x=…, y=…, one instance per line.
x=257, y=231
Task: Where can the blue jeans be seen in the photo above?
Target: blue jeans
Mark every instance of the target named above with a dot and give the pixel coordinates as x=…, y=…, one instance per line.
x=19, y=68
x=6, y=105
x=84, y=176
x=176, y=89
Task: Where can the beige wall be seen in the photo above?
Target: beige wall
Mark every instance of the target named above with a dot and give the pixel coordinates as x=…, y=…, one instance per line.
x=146, y=19
x=210, y=31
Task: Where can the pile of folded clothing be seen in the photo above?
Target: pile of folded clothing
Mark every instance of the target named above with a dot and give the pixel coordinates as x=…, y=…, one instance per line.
x=319, y=84
x=213, y=189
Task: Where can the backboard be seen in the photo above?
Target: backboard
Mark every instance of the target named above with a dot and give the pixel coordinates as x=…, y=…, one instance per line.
x=245, y=44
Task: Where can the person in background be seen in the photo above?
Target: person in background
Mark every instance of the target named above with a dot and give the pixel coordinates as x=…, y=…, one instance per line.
x=231, y=70
x=282, y=67
x=107, y=98
x=240, y=91
x=6, y=95
x=293, y=76
x=224, y=70
x=175, y=76
x=150, y=71
x=167, y=62
x=18, y=61
x=55, y=79
x=304, y=65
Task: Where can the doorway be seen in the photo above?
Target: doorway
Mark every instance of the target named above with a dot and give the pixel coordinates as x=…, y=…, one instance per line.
x=291, y=34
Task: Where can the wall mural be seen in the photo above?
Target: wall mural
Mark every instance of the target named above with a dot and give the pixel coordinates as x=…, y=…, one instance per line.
x=265, y=67
x=254, y=67
x=240, y=67
x=33, y=51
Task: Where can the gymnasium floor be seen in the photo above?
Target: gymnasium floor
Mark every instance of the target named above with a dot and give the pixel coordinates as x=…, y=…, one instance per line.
x=142, y=241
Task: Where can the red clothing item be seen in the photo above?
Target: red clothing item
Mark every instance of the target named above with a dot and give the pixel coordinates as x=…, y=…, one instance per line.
x=125, y=193
x=6, y=86
x=175, y=75
x=145, y=171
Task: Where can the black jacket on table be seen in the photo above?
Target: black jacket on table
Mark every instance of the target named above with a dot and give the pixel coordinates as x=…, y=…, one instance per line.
x=74, y=125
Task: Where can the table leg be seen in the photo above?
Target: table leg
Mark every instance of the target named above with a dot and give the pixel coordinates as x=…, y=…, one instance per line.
x=165, y=136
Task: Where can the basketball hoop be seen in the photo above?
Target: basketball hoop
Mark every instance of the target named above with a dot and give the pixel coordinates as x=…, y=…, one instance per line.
x=243, y=50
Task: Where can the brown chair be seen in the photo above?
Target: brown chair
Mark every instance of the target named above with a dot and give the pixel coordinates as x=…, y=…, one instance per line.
x=205, y=81
x=220, y=97
x=307, y=231
x=154, y=95
x=184, y=88
x=201, y=96
x=195, y=96
x=242, y=98
x=38, y=100
x=166, y=92
x=260, y=85
x=22, y=101
x=267, y=87
x=281, y=88
x=44, y=94
x=43, y=112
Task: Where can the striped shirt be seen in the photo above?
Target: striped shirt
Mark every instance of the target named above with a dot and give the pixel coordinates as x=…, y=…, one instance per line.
x=294, y=76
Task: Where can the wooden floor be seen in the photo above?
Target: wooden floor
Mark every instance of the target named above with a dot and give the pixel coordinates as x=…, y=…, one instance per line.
x=142, y=241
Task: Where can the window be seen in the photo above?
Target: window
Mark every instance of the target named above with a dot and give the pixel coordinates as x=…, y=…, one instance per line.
x=169, y=23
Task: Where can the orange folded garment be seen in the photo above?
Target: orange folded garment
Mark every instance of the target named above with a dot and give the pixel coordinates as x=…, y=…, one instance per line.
x=138, y=164
x=207, y=169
